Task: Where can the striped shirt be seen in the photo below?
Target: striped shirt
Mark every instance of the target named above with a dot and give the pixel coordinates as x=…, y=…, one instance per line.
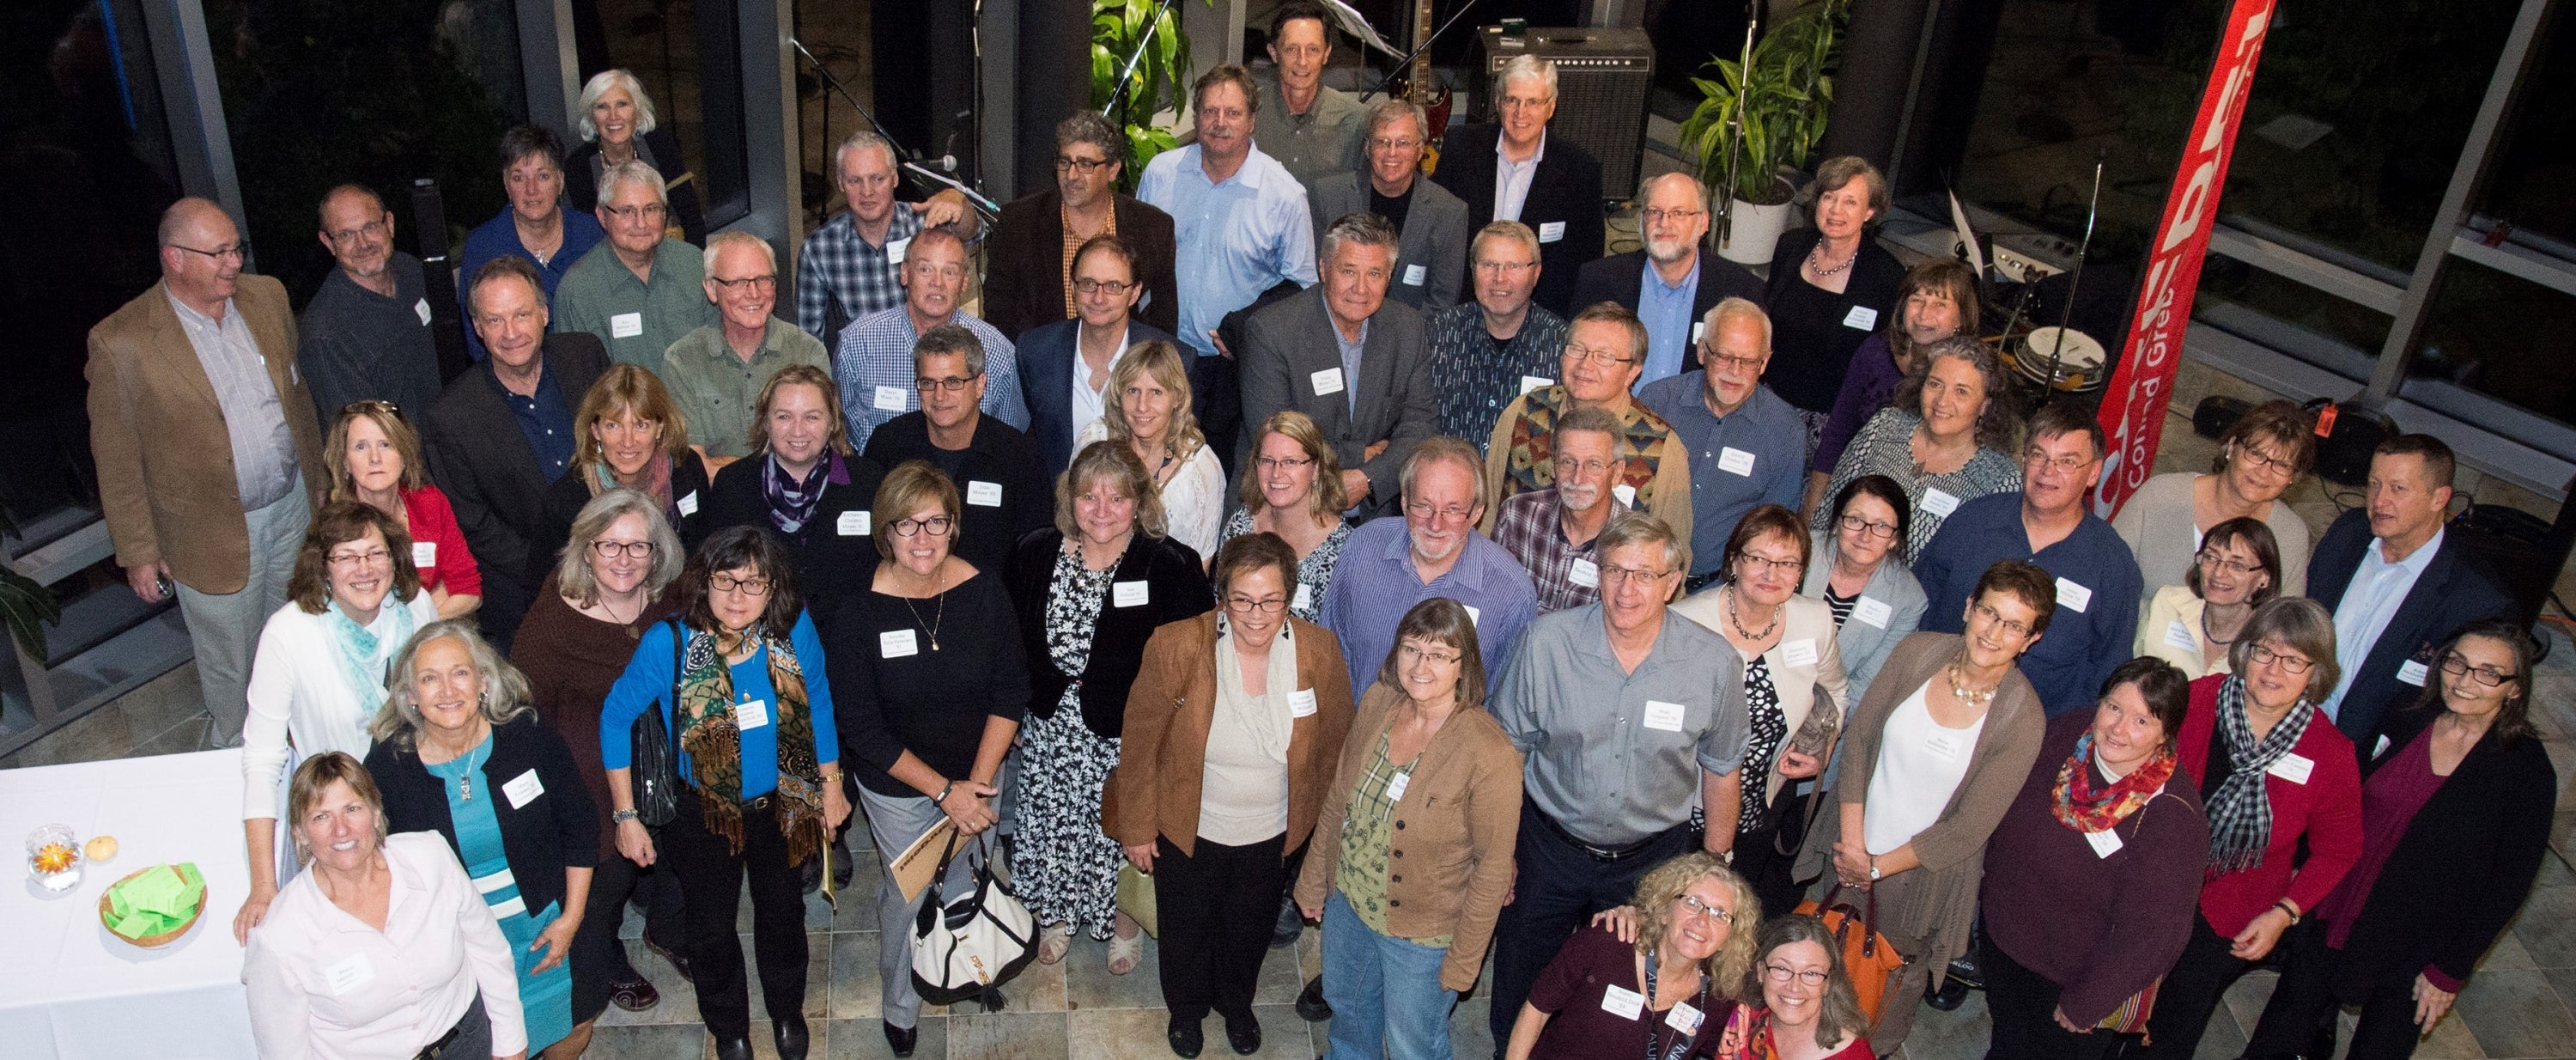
x=264, y=466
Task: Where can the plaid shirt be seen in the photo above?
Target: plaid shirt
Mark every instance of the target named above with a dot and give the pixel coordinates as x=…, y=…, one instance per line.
x=841, y=278
x=1473, y=380
x=1532, y=529
x=873, y=366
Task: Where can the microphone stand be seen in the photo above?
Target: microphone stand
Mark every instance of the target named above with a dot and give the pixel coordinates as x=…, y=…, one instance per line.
x=1725, y=204
x=835, y=85
x=983, y=206
x=1401, y=65
x=2077, y=280
x=1144, y=41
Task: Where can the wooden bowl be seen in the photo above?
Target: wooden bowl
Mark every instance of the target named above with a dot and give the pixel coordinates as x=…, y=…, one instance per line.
x=107, y=915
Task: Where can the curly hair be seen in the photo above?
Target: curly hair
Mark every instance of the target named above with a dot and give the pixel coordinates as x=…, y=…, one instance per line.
x=1996, y=428
x=1664, y=886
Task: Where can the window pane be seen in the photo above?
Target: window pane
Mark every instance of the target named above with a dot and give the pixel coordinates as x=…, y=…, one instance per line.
x=2502, y=336
x=2529, y=187
x=2350, y=334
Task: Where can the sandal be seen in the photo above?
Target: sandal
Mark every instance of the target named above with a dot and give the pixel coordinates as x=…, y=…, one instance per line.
x=1125, y=951
x=634, y=996
x=1053, y=940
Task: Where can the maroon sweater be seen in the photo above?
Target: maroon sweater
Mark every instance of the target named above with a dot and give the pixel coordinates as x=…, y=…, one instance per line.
x=2102, y=928
x=570, y=660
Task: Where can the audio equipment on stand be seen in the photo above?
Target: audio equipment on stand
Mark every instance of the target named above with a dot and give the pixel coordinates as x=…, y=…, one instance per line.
x=439, y=279
x=1602, y=77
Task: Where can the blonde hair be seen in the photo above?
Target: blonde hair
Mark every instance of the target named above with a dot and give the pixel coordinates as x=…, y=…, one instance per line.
x=838, y=438
x=1726, y=969
x=627, y=388
x=576, y=580
x=1110, y=460
x=316, y=776
x=387, y=418
x=1163, y=360
x=1326, y=499
x=905, y=488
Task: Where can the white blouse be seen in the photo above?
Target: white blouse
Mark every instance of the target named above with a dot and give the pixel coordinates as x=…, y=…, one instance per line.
x=1920, y=764
x=323, y=985
x=298, y=692
x=1194, y=499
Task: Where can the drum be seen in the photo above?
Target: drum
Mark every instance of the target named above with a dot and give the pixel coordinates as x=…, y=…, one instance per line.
x=2081, y=363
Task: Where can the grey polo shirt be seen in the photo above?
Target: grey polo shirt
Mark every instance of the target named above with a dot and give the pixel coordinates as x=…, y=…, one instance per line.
x=1615, y=756
x=1323, y=141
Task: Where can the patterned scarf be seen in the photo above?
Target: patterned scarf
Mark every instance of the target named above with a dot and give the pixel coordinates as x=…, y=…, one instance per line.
x=2240, y=811
x=714, y=745
x=2080, y=807
x=654, y=481
x=792, y=503
x=364, y=655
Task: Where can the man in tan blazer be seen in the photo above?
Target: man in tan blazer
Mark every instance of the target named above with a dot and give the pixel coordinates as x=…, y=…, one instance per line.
x=206, y=446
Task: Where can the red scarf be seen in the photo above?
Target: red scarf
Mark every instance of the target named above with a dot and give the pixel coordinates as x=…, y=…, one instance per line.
x=2084, y=808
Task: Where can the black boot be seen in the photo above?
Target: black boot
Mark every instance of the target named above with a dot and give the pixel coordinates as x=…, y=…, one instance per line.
x=733, y=1049
x=1311, y=1005
x=790, y=1034
x=902, y=1039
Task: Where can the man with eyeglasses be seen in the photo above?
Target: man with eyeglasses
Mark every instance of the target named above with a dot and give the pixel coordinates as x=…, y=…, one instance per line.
x=849, y=266
x=639, y=290
x=217, y=509
x=1512, y=170
x=365, y=335
x=2047, y=524
x=994, y=465
x=873, y=361
x=2398, y=585
x=1390, y=564
x=1065, y=366
x=1552, y=530
x=1598, y=369
x=1745, y=442
x=1431, y=255
x=1668, y=283
x=1314, y=129
x=1626, y=717
x=1029, y=263
x=716, y=372
x=1345, y=356
x=1499, y=344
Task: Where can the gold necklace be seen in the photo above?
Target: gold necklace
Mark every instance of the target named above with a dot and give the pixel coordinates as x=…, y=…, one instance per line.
x=1959, y=687
x=937, y=617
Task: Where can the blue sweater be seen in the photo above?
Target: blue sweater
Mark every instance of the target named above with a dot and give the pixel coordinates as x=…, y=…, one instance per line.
x=647, y=684
x=2083, y=644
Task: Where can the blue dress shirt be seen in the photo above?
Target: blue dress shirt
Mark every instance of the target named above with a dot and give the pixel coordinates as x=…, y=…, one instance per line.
x=545, y=419
x=2093, y=568
x=1376, y=584
x=1666, y=311
x=647, y=683
x=1765, y=430
x=1245, y=235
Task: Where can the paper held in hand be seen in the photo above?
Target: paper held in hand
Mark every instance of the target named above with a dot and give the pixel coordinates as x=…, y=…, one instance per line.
x=914, y=868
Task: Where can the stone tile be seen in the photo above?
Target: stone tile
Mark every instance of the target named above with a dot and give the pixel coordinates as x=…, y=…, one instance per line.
x=2222, y=1040
x=2516, y=1014
x=2507, y=955
x=2547, y=927
x=2554, y=872
x=818, y=978
x=164, y=701
x=180, y=738
x=865, y=1039
x=100, y=734
x=2562, y=758
x=2562, y=835
x=1281, y=978
x=1123, y=1034
x=1088, y=984
x=854, y=990
x=1007, y=1036
x=663, y=1042
x=679, y=1004
x=1470, y=1031
x=2451, y=1040
x=1957, y=1035
x=2246, y=999
x=1039, y=988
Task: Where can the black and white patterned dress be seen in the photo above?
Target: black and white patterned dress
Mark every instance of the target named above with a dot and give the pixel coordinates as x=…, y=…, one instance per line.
x=1062, y=864
x=1768, y=729
x=1314, y=570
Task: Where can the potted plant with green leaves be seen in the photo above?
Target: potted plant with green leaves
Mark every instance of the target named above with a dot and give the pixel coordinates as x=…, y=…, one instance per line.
x=1136, y=88
x=1759, y=120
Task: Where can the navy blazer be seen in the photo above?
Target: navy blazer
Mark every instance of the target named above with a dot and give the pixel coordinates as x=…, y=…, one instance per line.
x=1566, y=188
x=1046, y=355
x=1175, y=589
x=1620, y=278
x=2454, y=590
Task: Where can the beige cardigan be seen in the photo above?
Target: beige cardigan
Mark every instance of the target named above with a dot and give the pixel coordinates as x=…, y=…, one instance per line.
x=1808, y=620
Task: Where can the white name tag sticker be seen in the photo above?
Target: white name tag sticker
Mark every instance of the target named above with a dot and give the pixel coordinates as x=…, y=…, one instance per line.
x=1551, y=231
x=1301, y=703
x=895, y=249
x=1662, y=716
x=1872, y=612
x=1535, y=382
x=1944, y=746
x=2074, y=594
x=1626, y=493
x=984, y=494
x=855, y=524
x=626, y=325
x=424, y=553
x=2105, y=842
x=750, y=714
x=1305, y=600
x=1698, y=327
x=1799, y=652
x=1128, y=594
x=2293, y=768
x=2413, y=673
x=1937, y=504
x=1475, y=615
x=1684, y=1018
x=1395, y=788
x=2379, y=748
x=2178, y=634
x=689, y=503
x=1585, y=573
x=897, y=643
x=349, y=974
x=1862, y=317
x=1328, y=381
x=1622, y=1002
x=523, y=789
x=1415, y=274
x=1735, y=461
x=887, y=399
x=422, y=307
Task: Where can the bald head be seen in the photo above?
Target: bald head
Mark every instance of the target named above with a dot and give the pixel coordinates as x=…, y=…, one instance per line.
x=359, y=233
x=201, y=254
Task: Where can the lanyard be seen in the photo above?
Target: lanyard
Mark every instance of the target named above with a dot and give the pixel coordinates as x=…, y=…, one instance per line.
x=1654, y=1026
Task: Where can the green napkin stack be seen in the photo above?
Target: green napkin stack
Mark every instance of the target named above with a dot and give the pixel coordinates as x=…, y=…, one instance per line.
x=155, y=901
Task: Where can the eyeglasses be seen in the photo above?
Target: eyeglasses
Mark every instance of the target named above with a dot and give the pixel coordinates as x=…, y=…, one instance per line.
x=607, y=549
x=1611, y=573
x=1759, y=563
x=1268, y=605
x=2014, y=627
x=1865, y=528
x=1505, y=266
x=1404, y=144
x=1410, y=653
x=952, y=384
x=1455, y=513
x=2270, y=463
x=758, y=283
x=239, y=251
x=1692, y=906
x=2069, y=464
x=1283, y=463
x=2209, y=560
x=726, y=583
x=935, y=526
x=1714, y=360
x=1114, y=287
x=2457, y=666
x=1596, y=358
x=650, y=212
x=1781, y=974
x=2291, y=664
x=1526, y=102
x=1654, y=216
x=1084, y=166
x=368, y=558
x=1567, y=466
x=370, y=229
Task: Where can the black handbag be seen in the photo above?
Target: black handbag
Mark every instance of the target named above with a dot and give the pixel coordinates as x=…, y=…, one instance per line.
x=654, y=770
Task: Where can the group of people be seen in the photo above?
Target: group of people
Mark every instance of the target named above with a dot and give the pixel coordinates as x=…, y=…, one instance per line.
x=1329, y=544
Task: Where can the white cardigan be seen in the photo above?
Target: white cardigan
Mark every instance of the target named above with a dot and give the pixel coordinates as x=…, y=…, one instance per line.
x=297, y=692
x=1809, y=622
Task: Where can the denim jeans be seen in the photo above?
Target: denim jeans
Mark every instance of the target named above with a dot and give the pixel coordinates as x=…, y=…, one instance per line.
x=1385, y=991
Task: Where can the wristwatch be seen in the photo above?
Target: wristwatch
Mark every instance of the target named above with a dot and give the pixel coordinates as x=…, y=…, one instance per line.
x=623, y=816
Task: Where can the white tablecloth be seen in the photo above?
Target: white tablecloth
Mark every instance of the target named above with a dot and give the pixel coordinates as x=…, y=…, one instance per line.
x=70, y=990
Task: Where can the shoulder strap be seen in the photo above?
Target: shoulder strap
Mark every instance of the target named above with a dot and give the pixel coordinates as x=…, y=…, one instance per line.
x=679, y=644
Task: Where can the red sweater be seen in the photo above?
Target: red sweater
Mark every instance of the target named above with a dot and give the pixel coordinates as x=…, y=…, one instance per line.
x=2327, y=809
x=433, y=523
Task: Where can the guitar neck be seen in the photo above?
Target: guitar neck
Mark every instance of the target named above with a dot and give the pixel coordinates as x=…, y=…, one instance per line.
x=1421, y=76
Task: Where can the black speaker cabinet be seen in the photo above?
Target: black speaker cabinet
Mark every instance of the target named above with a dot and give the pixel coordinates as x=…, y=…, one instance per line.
x=1602, y=76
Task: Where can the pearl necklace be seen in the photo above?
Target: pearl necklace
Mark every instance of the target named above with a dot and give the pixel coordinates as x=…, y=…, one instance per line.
x=1959, y=687
x=1816, y=261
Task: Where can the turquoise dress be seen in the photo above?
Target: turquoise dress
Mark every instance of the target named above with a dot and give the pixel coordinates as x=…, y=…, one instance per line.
x=546, y=997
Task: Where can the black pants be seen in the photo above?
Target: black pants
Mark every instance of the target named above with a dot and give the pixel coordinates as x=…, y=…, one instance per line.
x=1758, y=853
x=2191, y=994
x=1216, y=398
x=598, y=956
x=2024, y=1004
x=1559, y=886
x=1216, y=909
x=2307, y=1000
x=711, y=879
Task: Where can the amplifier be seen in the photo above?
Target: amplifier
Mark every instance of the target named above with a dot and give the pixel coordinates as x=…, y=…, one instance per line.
x=1602, y=76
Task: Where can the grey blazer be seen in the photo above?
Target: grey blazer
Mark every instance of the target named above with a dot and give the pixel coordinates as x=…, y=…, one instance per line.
x=1434, y=238
x=1864, y=645
x=1292, y=343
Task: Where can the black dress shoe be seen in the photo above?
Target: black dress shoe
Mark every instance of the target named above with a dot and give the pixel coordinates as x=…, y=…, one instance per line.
x=1311, y=1005
x=902, y=1039
x=679, y=963
x=790, y=1034
x=843, y=866
x=733, y=1049
x=1186, y=1038
x=1952, y=993
x=1965, y=971
x=1243, y=1037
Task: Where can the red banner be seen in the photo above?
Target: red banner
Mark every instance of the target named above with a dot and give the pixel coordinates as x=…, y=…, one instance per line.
x=2133, y=408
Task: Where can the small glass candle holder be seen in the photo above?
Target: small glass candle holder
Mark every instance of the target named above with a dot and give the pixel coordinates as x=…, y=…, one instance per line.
x=54, y=858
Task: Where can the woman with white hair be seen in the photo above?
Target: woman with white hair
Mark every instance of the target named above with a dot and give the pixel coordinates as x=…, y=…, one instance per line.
x=617, y=125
